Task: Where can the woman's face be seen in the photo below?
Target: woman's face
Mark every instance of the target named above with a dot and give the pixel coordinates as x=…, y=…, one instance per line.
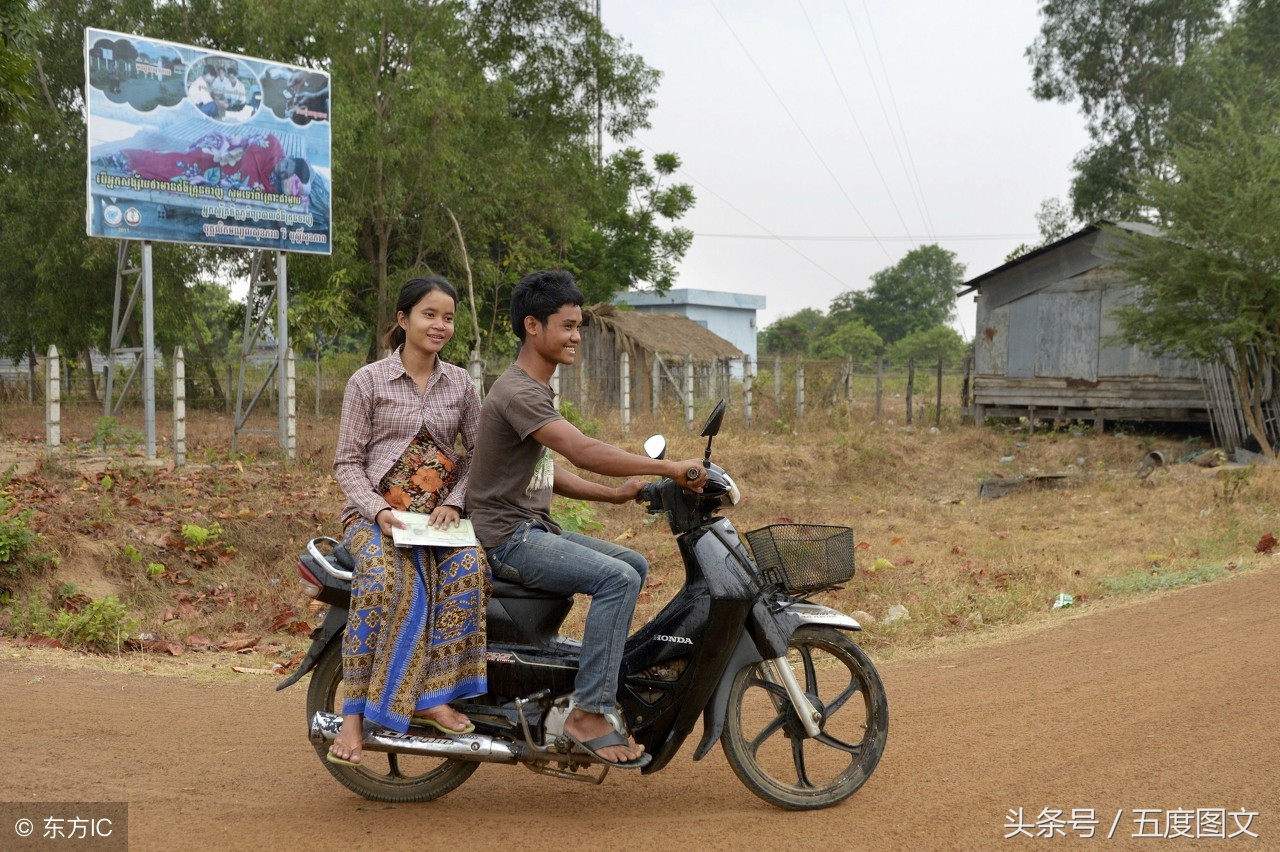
x=428, y=326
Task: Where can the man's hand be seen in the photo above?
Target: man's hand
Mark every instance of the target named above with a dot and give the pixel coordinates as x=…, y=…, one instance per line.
x=444, y=517
x=629, y=490
x=690, y=474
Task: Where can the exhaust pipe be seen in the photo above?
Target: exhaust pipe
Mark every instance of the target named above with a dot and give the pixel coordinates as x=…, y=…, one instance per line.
x=477, y=748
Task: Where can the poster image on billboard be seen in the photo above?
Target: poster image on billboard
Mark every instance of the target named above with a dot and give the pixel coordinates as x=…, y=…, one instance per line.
x=195, y=146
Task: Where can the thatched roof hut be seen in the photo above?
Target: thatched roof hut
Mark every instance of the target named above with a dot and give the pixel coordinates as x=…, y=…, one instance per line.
x=658, y=346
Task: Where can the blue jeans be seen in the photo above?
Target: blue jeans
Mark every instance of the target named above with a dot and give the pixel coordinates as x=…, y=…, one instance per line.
x=571, y=563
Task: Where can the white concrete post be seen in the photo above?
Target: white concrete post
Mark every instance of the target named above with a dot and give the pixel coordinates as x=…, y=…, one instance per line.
x=655, y=385
x=179, y=408
x=624, y=370
x=748, y=378
x=52, y=402
x=291, y=406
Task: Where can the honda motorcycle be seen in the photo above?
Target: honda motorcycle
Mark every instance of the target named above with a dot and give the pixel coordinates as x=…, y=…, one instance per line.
x=796, y=705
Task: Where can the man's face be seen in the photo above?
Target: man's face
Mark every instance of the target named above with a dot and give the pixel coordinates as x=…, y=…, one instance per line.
x=558, y=340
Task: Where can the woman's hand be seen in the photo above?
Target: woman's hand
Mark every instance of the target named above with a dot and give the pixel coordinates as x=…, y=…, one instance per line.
x=386, y=520
x=444, y=517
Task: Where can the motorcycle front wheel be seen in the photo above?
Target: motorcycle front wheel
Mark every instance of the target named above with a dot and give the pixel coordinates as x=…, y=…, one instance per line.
x=380, y=776
x=768, y=748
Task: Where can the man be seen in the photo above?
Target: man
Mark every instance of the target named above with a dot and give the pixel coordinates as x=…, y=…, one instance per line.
x=513, y=478
x=201, y=93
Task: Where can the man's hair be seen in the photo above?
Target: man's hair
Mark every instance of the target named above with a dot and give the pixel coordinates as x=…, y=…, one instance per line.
x=541, y=294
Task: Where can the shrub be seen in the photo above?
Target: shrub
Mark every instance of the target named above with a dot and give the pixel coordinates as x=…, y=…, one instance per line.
x=101, y=626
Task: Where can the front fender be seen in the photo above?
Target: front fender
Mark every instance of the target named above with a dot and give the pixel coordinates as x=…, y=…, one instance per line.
x=801, y=613
x=785, y=622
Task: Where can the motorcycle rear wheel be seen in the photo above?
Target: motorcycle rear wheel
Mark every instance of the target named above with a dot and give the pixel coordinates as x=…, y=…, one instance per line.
x=380, y=776
x=766, y=745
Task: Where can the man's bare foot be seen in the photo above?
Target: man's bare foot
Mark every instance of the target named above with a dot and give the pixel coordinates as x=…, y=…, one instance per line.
x=584, y=727
x=444, y=718
x=349, y=746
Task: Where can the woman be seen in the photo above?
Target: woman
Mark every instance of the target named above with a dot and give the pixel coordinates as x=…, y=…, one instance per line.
x=415, y=637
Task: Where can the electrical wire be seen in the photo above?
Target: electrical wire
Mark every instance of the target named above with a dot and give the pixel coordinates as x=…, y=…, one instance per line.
x=800, y=129
x=853, y=116
x=917, y=190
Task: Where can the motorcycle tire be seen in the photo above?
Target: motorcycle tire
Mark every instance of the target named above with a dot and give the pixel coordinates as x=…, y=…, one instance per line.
x=768, y=748
x=380, y=776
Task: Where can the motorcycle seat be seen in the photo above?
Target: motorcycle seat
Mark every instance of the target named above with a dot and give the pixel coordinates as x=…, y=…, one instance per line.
x=507, y=589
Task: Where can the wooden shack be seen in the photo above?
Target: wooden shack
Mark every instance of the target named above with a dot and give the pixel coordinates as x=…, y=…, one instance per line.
x=1045, y=342
x=662, y=352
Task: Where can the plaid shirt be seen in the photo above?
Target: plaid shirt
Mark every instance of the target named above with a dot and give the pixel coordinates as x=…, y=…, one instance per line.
x=382, y=412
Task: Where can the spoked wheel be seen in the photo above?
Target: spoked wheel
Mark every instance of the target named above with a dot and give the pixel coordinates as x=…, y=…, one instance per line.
x=381, y=776
x=767, y=745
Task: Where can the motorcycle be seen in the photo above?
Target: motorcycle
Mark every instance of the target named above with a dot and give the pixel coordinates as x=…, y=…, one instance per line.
x=796, y=705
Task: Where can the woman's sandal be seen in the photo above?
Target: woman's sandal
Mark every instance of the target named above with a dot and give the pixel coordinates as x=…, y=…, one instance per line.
x=341, y=761
x=433, y=722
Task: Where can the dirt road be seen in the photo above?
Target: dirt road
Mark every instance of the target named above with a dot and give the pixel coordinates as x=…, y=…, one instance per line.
x=1141, y=712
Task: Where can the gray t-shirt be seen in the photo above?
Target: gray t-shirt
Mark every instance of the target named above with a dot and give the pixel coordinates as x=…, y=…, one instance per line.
x=511, y=473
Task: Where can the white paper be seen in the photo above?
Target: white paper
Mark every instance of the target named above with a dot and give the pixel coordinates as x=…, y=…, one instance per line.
x=417, y=530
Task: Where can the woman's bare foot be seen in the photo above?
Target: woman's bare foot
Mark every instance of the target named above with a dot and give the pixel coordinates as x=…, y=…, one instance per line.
x=584, y=727
x=445, y=718
x=349, y=746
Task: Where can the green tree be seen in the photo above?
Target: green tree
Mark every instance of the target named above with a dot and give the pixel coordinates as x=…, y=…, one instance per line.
x=927, y=347
x=1055, y=222
x=1209, y=285
x=1125, y=63
x=485, y=111
x=917, y=292
x=854, y=339
x=790, y=335
x=17, y=64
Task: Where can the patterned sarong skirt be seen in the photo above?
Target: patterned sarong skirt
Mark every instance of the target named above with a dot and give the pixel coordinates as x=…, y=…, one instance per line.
x=415, y=634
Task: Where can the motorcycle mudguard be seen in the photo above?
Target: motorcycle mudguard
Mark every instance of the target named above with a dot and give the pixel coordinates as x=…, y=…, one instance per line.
x=335, y=621
x=746, y=654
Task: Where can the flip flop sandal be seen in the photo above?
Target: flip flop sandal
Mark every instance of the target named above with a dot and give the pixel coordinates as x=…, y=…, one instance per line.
x=341, y=761
x=613, y=738
x=428, y=722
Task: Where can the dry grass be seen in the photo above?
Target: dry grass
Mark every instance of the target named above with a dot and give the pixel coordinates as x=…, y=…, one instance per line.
x=961, y=566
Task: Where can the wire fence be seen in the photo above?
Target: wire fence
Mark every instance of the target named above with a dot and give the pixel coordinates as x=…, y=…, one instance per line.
x=781, y=394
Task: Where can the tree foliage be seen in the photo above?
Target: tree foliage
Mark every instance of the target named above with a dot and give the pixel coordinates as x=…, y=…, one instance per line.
x=1126, y=65
x=17, y=64
x=480, y=111
x=929, y=346
x=916, y=293
x=790, y=335
x=1209, y=284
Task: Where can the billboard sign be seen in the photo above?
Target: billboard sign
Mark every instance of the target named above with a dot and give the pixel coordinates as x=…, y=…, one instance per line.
x=190, y=145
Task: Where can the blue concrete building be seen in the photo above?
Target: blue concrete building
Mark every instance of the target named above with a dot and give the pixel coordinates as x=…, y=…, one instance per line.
x=731, y=316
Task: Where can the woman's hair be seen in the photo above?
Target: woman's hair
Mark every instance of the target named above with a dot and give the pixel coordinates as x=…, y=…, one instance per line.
x=411, y=294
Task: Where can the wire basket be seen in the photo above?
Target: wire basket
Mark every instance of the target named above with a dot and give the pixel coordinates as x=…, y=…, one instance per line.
x=803, y=557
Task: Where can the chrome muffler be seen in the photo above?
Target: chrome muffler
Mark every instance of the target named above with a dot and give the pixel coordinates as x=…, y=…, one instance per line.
x=478, y=748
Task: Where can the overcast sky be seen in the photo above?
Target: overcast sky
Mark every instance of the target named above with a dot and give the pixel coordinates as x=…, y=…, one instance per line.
x=825, y=139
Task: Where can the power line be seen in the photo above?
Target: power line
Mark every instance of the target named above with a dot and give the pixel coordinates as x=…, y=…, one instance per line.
x=917, y=192
x=768, y=235
x=800, y=129
x=852, y=115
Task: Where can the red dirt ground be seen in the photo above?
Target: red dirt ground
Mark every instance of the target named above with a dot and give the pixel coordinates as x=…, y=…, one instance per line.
x=1168, y=704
